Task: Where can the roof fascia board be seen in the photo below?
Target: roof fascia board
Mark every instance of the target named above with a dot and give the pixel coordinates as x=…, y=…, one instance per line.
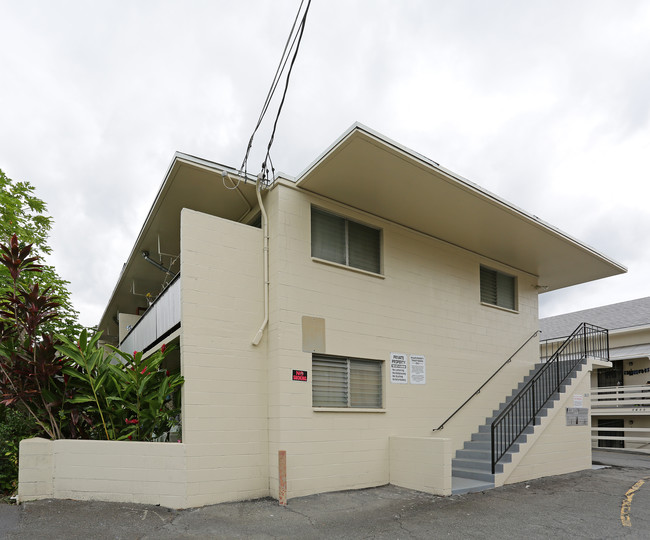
x=462, y=182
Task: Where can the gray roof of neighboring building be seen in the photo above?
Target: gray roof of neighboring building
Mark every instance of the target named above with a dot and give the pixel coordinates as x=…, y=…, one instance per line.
x=612, y=317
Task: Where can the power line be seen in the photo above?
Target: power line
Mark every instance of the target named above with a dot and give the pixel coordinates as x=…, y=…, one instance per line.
x=292, y=44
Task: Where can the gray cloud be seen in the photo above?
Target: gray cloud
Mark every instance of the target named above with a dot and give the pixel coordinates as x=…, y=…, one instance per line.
x=544, y=103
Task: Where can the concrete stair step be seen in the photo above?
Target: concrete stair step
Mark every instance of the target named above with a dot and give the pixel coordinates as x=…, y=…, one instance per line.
x=481, y=455
x=474, y=475
x=486, y=428
x=475, y=465
x=460, y=485
x=486, y=446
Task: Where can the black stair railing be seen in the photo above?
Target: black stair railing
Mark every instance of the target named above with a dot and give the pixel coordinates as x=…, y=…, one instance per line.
x=585, y=341
x=478, y=390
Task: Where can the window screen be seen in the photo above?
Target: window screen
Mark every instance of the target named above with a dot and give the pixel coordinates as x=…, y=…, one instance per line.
x=346, y=382
x=342, y=241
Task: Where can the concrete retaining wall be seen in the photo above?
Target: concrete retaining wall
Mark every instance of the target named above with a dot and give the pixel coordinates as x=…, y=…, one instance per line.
x=118, y=471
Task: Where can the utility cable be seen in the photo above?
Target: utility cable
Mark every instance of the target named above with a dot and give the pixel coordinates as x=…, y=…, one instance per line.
x=286, y=53
x=301, y=30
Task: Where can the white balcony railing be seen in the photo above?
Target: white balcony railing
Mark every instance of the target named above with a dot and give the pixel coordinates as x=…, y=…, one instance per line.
x=633, y=399
x=160, y=318
x=625, y=438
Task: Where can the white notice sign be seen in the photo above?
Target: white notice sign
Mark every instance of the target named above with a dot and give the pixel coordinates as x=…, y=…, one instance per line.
x=398, y=368
x=418, y=369
x=577, y=400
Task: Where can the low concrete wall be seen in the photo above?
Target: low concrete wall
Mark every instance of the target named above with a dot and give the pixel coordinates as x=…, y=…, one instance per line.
x=422, y=463
x=119, y=471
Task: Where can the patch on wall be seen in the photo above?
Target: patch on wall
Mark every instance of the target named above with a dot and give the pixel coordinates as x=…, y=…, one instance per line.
x=313, y=334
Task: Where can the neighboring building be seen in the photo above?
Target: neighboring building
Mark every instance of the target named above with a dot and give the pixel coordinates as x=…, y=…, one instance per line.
x=620, y=397
x=393, y=289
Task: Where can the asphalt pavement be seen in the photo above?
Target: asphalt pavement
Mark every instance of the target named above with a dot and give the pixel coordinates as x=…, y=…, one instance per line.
x=609, y=502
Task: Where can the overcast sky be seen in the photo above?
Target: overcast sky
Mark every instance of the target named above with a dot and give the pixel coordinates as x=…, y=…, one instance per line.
x=545, y=103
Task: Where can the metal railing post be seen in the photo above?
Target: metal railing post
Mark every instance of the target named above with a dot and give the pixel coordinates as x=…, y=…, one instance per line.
x=493, y=449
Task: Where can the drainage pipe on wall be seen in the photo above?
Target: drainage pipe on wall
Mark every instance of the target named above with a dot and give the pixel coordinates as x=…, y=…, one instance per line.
x=265, y=232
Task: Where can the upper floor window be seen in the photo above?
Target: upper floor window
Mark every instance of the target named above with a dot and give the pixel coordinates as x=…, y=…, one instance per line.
x=340, y=240
x=498, y=289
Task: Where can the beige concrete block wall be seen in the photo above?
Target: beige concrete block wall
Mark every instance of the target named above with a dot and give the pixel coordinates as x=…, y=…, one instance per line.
x=225, y=393
x=35, y=471
x=427, y=302
x=422, y=463
x=119, y=471
x=555, y=448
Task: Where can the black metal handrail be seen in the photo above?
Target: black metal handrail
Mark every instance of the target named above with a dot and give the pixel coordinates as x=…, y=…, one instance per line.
x=547, y=347
x=586, y=340
x=487, y=381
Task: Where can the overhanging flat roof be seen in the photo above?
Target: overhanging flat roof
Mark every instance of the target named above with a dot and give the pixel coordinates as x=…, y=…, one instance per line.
x=369, y=172
x=190, y=182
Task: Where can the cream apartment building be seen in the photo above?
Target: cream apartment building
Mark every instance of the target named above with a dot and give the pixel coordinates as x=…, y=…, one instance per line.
x=327, y=326
x=620, y=395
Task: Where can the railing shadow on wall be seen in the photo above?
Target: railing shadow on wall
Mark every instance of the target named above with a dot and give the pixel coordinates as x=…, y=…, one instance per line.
x=478, y=391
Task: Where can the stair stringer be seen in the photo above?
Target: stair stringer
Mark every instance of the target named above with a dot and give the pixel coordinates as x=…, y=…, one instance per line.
x=582, y=381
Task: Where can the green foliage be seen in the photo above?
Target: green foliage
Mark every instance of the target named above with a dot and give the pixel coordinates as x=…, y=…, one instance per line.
x=14, y=426
x=24, y=214
x=146, y=394
x=134, y=398
x=76, y=389
x=28, y=365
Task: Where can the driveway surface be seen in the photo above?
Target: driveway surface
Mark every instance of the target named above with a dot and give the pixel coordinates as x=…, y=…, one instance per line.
x=612, y=502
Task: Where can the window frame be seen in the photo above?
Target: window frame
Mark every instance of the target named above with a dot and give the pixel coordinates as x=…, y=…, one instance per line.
x=346, y=243
x=348, y=390
x=496, y=304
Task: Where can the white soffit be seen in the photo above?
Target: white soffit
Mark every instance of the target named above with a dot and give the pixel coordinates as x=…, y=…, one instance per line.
x=366, y=171
x=191, y=183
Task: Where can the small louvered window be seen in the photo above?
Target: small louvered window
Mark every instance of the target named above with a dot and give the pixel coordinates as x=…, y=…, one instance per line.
x=336, y=239
x=346, y=382
x=498, y=289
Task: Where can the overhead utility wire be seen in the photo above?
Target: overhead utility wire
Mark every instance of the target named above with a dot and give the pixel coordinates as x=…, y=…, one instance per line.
x=288, y=47
x=269, y=96
x=301, y=30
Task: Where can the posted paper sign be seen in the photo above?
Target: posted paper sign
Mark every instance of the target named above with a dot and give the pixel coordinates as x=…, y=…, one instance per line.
x=398, y=368
x=418, y=369
x=577, y=400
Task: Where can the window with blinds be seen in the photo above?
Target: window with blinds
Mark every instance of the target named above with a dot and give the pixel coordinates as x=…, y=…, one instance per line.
x=337, y=239
x=498, y=289
x=346, y=382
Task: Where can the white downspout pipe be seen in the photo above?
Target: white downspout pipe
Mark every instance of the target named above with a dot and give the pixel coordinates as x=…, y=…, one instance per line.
x=265, y=232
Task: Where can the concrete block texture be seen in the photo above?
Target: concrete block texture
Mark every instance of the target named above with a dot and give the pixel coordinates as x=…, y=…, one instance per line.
x=422, y=463
x=120, y=471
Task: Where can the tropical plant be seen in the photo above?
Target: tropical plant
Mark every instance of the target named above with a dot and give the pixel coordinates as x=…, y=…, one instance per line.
x=148, y=394
x=22, y=213
x=134, y=397
x=28, y=363
x=14, y=426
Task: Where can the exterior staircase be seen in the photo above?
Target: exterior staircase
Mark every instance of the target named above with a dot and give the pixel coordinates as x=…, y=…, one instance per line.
x=472, y=466
x=506, y=431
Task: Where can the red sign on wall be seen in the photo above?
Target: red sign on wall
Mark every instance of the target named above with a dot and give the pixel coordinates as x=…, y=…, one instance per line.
x=299, y=375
